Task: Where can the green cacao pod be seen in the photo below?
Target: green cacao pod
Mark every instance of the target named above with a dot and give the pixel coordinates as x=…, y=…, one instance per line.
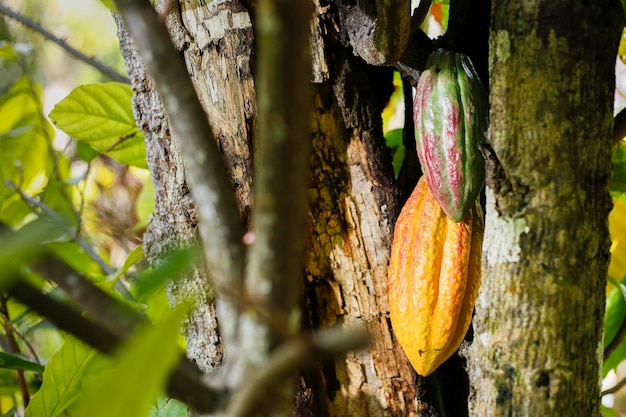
x=450, y=111
x=434, y=275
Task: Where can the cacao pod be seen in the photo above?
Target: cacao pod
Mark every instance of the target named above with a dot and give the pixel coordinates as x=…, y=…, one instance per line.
x=434, y=275
x=450, y=112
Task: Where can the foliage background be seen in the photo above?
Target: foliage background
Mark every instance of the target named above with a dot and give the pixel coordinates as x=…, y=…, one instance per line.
x=91, y=178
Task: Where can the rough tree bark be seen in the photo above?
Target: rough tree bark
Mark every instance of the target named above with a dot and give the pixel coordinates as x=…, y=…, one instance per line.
x=546, y=241
x=352, y=194
x=538, y=322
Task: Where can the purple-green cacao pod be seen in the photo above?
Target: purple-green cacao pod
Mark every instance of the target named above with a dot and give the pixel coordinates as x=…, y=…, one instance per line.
x=450, y=111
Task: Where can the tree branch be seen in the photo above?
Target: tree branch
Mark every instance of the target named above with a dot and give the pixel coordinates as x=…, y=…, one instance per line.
x=23, y=338
x=118, y=318
x=273, y=276
x=14, y=348
x=614, y=388
x=60, y=222
x=184, y=383
x=220, y=225
x=106, y=70
x=301, y=352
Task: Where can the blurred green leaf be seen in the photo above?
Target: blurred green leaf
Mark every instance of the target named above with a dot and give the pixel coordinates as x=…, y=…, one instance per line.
x=101, y=116
x=86, y=152
x=144, y=206
x=21, y=246
x=72, y=254
x=62, y=380
x=142, y=366
x=133, y=257
x=10, y=413
x=619, y=168
x=394, y=142
x=175, y=263
x=109, y=4
x=25, y=137
x=7, y=53
x=613, y=320
x=10, y=361
x=615, y=316
x=609, y=412
x=168, y=407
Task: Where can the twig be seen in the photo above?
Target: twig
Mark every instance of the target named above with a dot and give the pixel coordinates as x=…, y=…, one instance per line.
x=280, y=193
x=117, y=317
x=185, y=382
x=33, y=202
x=293, y=355
x=60, y=221
x=23, y=338
x=614, y=388
x=14, y=348
x=106, y=70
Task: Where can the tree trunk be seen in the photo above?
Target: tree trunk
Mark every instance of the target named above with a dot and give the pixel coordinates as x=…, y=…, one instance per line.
x=352, y=195
x=539, y=315
x=353, y=205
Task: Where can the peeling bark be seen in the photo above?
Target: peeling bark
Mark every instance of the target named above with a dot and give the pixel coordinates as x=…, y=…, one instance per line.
x=352, y=195
x=353, y=205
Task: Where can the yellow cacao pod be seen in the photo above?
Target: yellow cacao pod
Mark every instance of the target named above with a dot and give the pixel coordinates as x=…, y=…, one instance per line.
x=434, y=275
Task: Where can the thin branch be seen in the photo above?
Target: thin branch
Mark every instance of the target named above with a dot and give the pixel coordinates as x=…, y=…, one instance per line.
x=301, y=352
x=60, y=221
x=614, y=388
x=185, y=382
x=14, y=348
x=106, y=70
x=273, y=276
x=117, y=317
x=23, y=338
x=35, y=203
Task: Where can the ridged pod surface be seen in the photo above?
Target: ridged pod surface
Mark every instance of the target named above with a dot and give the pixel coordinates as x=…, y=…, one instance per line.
x=450, y=114
x=434, y=276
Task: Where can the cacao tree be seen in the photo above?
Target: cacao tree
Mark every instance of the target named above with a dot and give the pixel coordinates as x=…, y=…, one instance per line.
x=264, y=140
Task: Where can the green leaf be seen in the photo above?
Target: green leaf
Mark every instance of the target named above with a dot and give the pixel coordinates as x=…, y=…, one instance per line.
x=62, y=380
x=7, y=52
x=168, y=407
x=619, y=168
x=615, y=314
x=101, y=116
x=72, y=254
x=609, y=412
x=144, y=205
x=10, y=413
x=175, y=263
x=25, y=137
x=86, y=152
x=142, y=367
x=133, y=257
x=21, y=246
x=10, y=361
x=394, y=141
x=109, y=4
